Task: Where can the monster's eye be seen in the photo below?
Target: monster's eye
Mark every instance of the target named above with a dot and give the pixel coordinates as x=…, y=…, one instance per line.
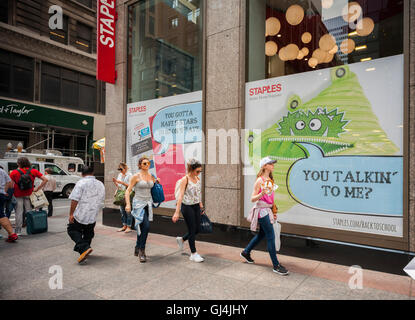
x=250, y=138
x=340, y=72
x=315, y=124
x=294, y=104
x=300, y=125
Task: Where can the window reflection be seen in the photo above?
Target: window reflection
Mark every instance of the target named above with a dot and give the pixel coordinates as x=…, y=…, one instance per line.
x=162, y=60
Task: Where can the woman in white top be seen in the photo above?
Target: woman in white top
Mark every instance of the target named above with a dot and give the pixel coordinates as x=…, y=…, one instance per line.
x=122, y=182
x=190, y=203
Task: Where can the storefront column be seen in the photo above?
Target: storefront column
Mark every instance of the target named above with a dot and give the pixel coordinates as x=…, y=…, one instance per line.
x=115, y=111
x=225, y=74
x=412, y=130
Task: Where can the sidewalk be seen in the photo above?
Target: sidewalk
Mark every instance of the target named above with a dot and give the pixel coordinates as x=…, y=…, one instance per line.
x=113, y=272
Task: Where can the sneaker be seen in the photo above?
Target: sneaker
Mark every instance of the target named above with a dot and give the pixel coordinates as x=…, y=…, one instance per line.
x=196, y=257
x=12, y=238
x=247, y=257
x=281, y=270
x=84, y=255
x=180, y=242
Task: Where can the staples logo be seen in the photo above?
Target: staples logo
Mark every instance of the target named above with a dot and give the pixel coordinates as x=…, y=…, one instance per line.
x=137, y=109
x=265, y=89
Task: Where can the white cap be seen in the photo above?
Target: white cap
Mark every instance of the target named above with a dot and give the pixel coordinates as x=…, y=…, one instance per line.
x=266, y=160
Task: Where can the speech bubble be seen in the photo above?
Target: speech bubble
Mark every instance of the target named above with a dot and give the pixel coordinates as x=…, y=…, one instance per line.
x=178, y=124
x=367, y=185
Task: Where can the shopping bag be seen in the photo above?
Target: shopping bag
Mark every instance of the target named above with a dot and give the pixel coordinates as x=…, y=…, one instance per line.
x=205, y=224
x=119, y=198
x=38, y=199
x=157, y=193
x=277, y=231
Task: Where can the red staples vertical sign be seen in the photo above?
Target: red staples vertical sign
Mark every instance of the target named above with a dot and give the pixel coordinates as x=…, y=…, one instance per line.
x=106, y=41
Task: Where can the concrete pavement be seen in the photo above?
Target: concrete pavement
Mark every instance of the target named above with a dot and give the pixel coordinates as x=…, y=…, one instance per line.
x=113, y=272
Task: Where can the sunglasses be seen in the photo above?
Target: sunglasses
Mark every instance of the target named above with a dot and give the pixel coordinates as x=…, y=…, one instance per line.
x=145, y=163
x=198, y=171
x=119, y=169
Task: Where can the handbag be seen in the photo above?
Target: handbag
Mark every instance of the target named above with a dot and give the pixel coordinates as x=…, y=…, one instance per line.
x=38, y=199
x=157, y=193
x=119, y=197
x=277, y=231
x=205, y=224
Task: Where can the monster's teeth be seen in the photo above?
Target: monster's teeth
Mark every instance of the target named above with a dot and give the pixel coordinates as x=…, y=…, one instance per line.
x=291, y=132
x=326, y=132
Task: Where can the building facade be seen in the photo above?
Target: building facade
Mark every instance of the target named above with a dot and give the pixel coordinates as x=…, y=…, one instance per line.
x=317, y=78
x=50, y=98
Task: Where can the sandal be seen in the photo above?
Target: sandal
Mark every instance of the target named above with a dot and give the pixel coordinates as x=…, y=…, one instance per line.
x=122, y=229
x=128, y=230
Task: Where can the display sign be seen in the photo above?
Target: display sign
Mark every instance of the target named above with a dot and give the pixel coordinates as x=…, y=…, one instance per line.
x=169, y=132
x=106, y=41
x=337, y=136
x=14, y=110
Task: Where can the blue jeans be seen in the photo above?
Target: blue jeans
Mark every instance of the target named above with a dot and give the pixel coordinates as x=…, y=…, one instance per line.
x=126, y=218
x=144, y=228
x=265, y=230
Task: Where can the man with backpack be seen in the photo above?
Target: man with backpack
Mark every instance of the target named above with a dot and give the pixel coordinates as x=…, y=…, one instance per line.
x=24, y=178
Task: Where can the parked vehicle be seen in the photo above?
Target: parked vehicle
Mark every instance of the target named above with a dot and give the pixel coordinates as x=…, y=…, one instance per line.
x=65, y=181
x=71, y=165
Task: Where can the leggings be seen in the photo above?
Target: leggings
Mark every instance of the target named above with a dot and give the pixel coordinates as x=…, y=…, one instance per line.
x=191, y=215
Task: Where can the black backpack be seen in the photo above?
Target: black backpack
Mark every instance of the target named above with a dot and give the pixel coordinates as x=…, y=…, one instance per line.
x=25, y=182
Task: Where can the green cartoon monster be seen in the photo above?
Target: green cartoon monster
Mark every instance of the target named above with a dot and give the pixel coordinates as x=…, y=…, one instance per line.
x=339, y=120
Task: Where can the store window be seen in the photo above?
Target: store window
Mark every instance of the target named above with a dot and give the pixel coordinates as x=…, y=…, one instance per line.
x=300, y=36
x=68, y=88
x=325, y=99
x=4, y=11
x=16, y=75
x=87, y=3
x=60, y=35
x=162, y=61
x=84, y=37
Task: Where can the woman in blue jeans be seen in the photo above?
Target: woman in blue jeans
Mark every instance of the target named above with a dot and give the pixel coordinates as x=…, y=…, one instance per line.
x=142, y=206
x=122, y=183
x=263, y=196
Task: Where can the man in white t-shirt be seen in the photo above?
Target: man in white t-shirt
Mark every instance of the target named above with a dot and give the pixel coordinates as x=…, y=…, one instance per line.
x=87, y=200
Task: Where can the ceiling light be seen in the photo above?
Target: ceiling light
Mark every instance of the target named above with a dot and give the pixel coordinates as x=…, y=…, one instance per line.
x=361, y=47
x=365, y=59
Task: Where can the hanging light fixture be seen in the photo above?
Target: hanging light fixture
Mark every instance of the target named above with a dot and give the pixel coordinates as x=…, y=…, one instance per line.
x=334, y=50
x=327, y=42
x=347, y=46
x=306, y=37
x=292, y=51
x=320, y=55
x=282, y=55
x=294, y=15
x=352, y=12
x=326, y=4
x=312, y=62
x=366, y=27
x=272, y=26
x=305, y=51
x=329, y=58
x=271, y=48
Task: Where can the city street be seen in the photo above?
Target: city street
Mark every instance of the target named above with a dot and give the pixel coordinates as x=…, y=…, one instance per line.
x=113, y=272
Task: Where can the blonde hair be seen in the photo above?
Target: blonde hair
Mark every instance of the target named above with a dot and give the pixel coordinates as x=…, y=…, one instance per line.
x=123, y=165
